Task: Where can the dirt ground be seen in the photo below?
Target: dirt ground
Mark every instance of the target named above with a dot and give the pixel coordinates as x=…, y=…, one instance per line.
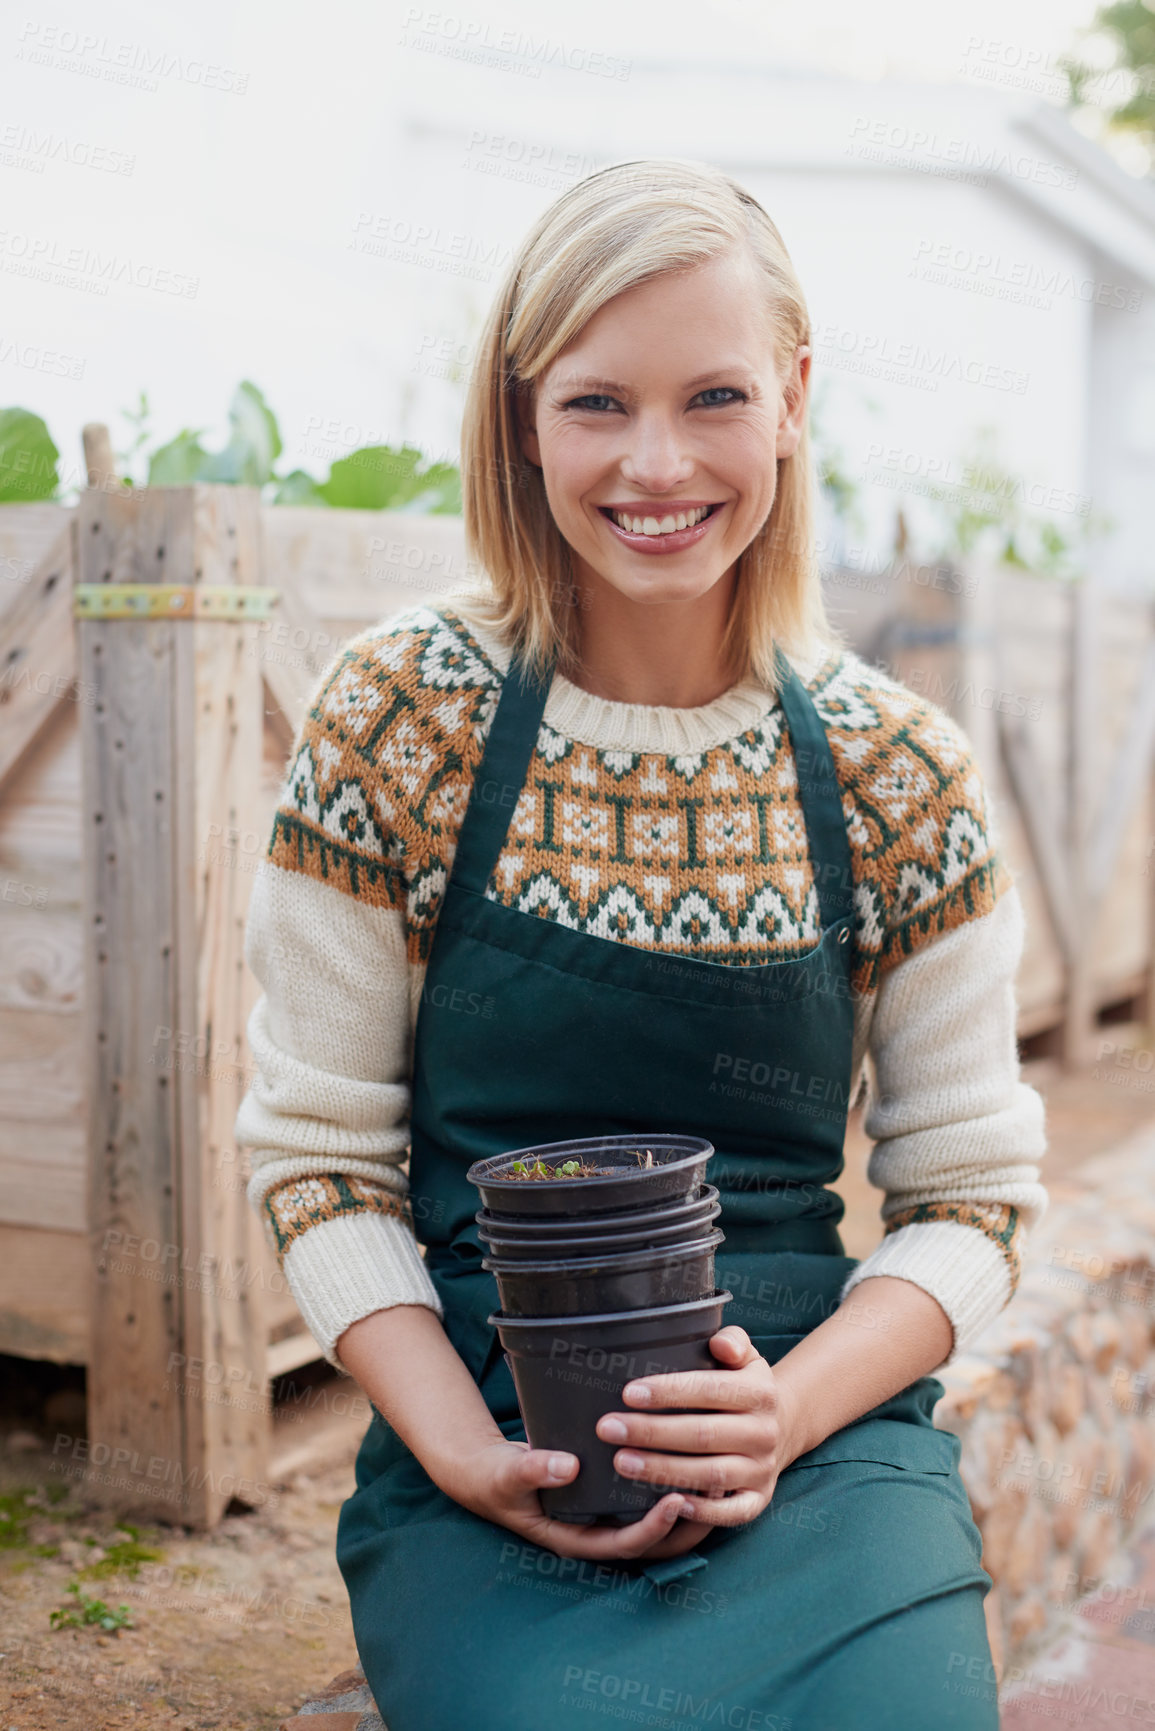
x=235, y=1629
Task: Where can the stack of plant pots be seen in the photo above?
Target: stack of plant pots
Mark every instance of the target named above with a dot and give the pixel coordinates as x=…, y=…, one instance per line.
x=603, y=1252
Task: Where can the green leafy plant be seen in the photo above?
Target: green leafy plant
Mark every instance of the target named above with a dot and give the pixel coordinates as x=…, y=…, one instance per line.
x=830, y=466
x=87, y=1610
x=14, y=1518
x=378, y=478
x=539, y=1169
x=138, y=419
x=28, y=458
x=986, y=515
x=374, y=478
x=123, y=1558
x=571, y=1168
x=254, y=444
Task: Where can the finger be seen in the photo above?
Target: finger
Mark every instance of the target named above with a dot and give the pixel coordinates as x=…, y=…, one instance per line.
x=732, y=1511
x=710, y=1474
x=601, y=1544
x=691, y=1433
x=747, y=1389
x=537, y=1469
x=737, y=1349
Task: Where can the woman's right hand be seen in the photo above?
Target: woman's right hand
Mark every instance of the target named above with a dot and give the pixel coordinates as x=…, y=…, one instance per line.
x=500, y=1480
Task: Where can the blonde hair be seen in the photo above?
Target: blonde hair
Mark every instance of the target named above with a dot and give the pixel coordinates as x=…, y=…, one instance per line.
x=621, y=226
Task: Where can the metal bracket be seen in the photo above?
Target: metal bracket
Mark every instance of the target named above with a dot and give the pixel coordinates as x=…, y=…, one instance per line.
x=173, y=601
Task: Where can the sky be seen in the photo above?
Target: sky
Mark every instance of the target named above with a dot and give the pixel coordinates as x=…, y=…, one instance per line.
x=179, y=197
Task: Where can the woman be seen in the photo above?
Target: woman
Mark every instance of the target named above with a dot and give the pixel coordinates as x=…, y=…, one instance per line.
x=623, y=840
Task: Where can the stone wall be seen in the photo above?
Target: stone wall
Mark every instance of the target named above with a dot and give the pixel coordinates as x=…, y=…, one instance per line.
x=1054, y=1402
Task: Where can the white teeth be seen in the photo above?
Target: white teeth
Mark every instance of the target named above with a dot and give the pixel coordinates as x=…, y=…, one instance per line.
x=651, y=525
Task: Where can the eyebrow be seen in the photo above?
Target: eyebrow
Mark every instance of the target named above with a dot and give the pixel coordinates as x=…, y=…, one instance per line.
x=572, y=381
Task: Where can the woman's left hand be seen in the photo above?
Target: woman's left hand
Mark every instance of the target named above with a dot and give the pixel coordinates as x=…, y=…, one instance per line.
x=728, y=1453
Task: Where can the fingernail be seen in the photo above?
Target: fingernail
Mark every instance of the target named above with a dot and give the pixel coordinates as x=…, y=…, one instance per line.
x=636, y=1391
x=612, y=1430
x=629, y=1463
x=559, y=1466
x=687, y=1511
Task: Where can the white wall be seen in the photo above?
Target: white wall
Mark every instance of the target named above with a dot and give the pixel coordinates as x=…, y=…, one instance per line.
x=297, y=204
x=944, y=301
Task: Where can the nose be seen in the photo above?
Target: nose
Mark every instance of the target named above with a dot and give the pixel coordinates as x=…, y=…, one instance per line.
x=657, y=457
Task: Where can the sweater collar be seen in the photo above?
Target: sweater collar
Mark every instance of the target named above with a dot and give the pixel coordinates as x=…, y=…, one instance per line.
x=636, y=727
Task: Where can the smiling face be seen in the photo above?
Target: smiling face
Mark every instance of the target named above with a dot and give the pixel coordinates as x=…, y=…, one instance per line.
x=657, y=432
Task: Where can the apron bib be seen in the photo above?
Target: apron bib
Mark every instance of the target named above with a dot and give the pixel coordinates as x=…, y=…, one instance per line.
x=531, y=1031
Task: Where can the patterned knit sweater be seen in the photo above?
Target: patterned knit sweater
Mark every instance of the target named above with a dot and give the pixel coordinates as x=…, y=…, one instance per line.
x=677, y=830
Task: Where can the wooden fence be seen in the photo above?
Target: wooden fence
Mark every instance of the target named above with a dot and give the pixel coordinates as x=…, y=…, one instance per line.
x=143, y=740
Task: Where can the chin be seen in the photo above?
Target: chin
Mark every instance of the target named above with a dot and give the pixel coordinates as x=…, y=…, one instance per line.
x=664, y=587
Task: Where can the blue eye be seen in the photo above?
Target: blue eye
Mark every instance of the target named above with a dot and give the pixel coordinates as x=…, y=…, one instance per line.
x=728, y=390
x=596, y=397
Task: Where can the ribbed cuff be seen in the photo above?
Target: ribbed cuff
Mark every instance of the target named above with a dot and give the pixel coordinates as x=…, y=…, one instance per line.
x=341, y=1270
x=958, y=1265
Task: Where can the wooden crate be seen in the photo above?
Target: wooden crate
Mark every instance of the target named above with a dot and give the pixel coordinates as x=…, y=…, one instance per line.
x=141, y=761
x=1053, y=682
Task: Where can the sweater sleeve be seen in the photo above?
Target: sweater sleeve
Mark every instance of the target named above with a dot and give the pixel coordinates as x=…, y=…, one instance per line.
x=326, y=1117
x=958, y=1135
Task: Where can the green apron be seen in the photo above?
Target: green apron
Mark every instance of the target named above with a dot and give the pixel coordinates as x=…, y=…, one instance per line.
x=856, y=1598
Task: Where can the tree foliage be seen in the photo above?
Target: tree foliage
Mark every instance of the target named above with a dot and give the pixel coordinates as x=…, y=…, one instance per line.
x=1115, y=73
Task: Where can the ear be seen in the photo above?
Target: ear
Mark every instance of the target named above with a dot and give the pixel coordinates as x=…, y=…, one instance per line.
x=792, y=418
x=524, y=416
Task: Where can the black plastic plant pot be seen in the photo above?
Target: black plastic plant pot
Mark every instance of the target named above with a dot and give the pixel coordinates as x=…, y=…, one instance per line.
x=678, y=1169
x=635, y=1243
x=568, y=1371
x=591, y=1285
x=687, y=1209
x=533, y=1239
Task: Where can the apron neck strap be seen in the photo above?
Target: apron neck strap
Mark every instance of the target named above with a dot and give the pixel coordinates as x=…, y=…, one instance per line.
x=510, y=745
x=501, y=775
x=820, y=796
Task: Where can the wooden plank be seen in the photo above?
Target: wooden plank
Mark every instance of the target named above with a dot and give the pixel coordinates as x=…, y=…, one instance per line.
x=43, y=1137
x=98, y=458
x=131, y=922
x=1123, y=784
x=40, y=1076
x=171, y=756
x=291, y=1353
x=41, y=954
x=219, y=767
x=27, y=532
x=40, y=813
x=320, y=1430
x=1042, y=828
x=44, y=1294
x=354, y=567
x=37, y=653
x=43, y=1169
x=1083, y=739
x=289, y=674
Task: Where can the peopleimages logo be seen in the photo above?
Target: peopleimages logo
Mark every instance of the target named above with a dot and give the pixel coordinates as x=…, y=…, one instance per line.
x=927, y=148
x=1044, y=281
